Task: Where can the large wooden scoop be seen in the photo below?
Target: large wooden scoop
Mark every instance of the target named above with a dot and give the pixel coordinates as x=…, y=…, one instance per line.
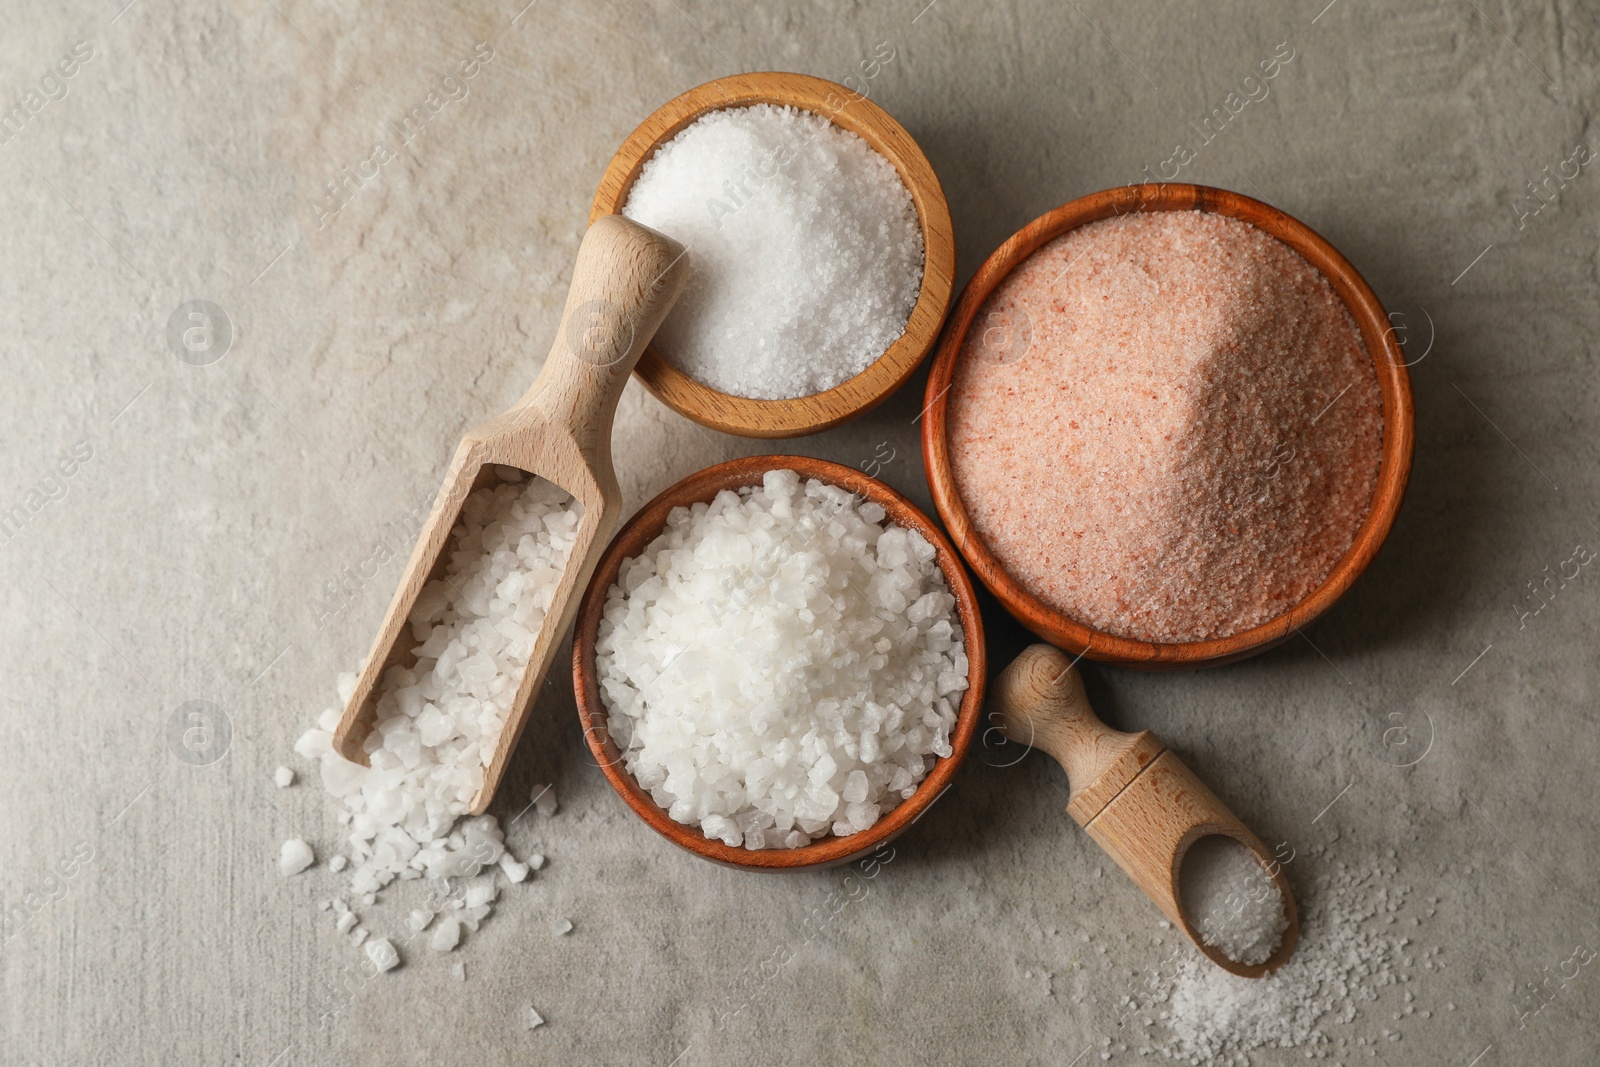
x=625, y=280
x=1133, y=795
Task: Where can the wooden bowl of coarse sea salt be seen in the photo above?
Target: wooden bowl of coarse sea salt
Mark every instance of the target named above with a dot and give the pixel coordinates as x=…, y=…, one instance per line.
x=1168, y=426
x=779, y=663
x=820, y=247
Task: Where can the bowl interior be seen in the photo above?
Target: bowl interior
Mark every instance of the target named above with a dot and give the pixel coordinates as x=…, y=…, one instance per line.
x=851, y=111
x=1393, y=382
x=640, y=531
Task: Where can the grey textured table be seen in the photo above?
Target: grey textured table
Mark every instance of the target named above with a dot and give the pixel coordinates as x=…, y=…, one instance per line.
x=188, y=554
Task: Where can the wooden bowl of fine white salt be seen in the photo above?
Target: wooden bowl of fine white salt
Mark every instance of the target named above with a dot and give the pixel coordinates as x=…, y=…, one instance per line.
x=825, y=585
x=821, y=251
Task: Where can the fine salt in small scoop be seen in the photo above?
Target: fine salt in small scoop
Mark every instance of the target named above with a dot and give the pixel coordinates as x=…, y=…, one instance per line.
x=1133, y=795
x=624, y=281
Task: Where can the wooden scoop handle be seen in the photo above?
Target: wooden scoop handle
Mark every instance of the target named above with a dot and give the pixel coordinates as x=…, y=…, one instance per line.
x=1135, y=798
x=624, y=282
x=1040, y=701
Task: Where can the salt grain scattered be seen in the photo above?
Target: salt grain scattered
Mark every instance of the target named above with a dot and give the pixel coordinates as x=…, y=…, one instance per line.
x=563, y=926
x=294, y=856
x=513, y=870
x=460, y=971
x=382, y=954
x=1168, y=428
x=446, y=936
x=338, y=863
x=284, y=777
x=781, y=663
x=804, y=247
x=544, y=800
x=532, y=1019
x=536, y=861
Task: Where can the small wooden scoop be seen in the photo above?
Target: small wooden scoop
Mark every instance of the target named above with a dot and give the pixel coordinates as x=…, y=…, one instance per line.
x=624, y=281
x=1132, y=794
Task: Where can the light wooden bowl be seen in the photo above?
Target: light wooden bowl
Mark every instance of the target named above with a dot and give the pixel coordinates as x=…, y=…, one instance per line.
x=1393, y=382
x=807, y=414
x=645, y=527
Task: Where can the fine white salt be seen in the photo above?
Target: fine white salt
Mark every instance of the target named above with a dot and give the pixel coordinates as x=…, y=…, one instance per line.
x=1231, y=900
x=1190, y=1011
x=294, y=856
x=804, y=248
x=781, y=663
x=438, y=720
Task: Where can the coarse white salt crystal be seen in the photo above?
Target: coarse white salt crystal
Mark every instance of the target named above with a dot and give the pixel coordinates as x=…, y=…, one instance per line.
x=337, y=863
x=765, y=674
x=536, y=861
x=513, y=870
x=531, y=1019
x=562, y=926
x=446, y=936
x=544, y=800
x=420, y=918
x=1231, y=899
x=805, y=250
x=358, y=935
x=284, y=777
x=460, y=971
x=294, y=856
x=381, y=953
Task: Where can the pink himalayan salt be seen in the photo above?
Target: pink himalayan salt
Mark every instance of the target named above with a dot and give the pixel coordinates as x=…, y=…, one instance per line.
x=1166, y=426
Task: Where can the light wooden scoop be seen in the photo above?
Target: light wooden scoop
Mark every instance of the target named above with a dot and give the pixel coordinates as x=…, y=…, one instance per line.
x=624, y=281
x=1133, y=795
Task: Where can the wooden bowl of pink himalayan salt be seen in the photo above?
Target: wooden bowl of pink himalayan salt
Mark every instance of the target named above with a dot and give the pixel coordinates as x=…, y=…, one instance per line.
x=1152, y=518
x=830, y=850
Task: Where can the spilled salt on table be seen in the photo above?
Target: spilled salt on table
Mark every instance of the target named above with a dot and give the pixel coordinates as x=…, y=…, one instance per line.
x=1231, y=899
x=781, y=663
x=1166, y=425
x=1188, y=1010
x=805, y=250
x=438, y=721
